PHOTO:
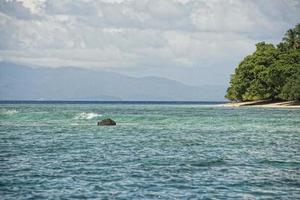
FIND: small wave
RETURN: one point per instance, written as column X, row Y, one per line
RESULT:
column 85, row 115
column 211, row 163
column 280, row 162
column 8, row 112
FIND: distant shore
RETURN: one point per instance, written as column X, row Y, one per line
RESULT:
column 264, row 104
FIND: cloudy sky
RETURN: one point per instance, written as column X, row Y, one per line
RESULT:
column 194, row 41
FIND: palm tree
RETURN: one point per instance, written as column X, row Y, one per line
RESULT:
column 290, row 37
column 297, row 38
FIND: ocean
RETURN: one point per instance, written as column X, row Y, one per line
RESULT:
column 158, row 150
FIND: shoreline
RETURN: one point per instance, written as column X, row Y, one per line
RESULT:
column 264, row 104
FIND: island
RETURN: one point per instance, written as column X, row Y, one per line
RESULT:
column 269, row 77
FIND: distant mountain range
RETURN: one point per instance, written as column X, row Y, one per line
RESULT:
column 19, row 82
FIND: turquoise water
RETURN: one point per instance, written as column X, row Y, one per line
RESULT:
column 156, row 151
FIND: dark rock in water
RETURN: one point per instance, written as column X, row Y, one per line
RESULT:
column 107, row 122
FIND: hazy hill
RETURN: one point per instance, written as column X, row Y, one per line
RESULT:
column 19, row 82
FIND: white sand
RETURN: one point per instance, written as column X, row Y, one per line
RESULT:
column 264, row 104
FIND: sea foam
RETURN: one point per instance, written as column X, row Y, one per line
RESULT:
column 87, row 115
column 8, row 112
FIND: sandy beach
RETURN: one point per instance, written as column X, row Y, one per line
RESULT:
column 264, row 104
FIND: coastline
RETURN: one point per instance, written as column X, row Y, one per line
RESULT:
column 264, row 104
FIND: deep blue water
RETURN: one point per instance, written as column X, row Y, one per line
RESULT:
column 157, row 151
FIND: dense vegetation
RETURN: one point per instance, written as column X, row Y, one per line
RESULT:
column 271, row 72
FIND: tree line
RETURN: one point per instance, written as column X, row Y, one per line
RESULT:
column 271, row 72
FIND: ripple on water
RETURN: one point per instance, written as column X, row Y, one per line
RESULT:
column 155, row 151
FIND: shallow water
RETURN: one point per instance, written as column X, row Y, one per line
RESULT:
column 156, row 151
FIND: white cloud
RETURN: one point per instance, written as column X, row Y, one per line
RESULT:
column 139, row 34
column 35, row 6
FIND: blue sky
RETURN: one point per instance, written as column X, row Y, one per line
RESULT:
column 194, row 41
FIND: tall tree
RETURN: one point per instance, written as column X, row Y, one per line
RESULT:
column 290, row 38
column 297, row 39
column 270, row 72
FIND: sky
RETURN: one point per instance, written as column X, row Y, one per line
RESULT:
column 197, row 42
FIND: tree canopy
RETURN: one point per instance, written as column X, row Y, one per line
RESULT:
column 271, row 72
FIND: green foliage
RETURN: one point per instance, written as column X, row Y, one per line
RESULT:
column 291, row 90
column 270, row 72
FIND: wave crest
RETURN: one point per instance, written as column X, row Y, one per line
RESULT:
column 87, row 115
column 8, row 112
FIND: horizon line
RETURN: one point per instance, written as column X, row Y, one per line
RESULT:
column 107, row 102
